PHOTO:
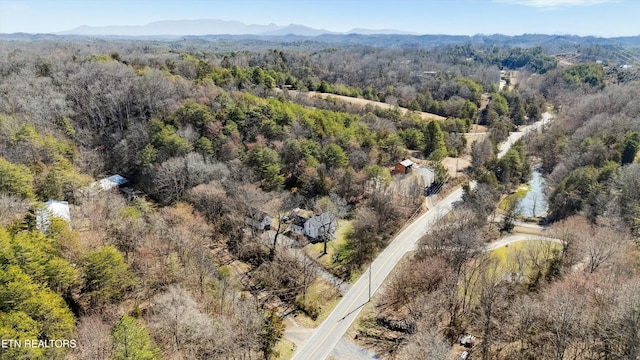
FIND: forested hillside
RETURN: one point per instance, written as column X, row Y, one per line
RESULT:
column 575, row 296
column 175, row 263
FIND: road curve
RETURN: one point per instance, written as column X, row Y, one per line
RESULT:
column 326, row 336
column 517, row 238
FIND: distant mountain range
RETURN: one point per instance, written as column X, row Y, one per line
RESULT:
column 221, row 35
column 211, row 27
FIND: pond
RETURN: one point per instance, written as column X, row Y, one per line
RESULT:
column 534, row 203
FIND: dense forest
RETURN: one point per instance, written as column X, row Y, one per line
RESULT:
column 173, row 266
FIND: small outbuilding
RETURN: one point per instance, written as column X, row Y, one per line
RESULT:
column 113, row 181
column 403, row 167
column 107, row 184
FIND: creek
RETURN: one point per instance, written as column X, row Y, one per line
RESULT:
column 534, row 203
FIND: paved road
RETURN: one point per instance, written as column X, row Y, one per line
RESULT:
column 515, row 136
column 327, row 335
column 498, row 218
column 346, row 350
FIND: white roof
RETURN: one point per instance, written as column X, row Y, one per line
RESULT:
column 110, row 182
column 321, row 220
column 58, row 209
column 406, row 162
column 52, row 208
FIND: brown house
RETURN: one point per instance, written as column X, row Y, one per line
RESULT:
column 403, row 167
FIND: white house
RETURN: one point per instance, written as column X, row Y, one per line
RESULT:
column 321, row 225
column 259, row 220
column 52, row 208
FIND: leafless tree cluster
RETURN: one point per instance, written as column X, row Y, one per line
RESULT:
column 569, row 303
column 174, row 177
column 184, row 330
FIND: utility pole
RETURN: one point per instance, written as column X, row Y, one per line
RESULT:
column 370, row 282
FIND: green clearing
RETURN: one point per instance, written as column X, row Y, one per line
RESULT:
column 525, row 256
column 316, row 250
column 321, row 297
column 524, row 261
column 285, row 349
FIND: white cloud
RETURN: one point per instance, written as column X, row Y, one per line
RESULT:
column 555, row 3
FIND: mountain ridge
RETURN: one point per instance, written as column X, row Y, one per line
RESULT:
column 200, row 27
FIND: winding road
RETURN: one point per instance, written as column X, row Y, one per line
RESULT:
column 517, row 238
column 517, row 135
column 328, row 334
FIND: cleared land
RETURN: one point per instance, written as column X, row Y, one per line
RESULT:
column 521, row 256
column 455, row 166
column 364, row 102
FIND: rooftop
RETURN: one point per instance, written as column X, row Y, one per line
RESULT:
column 406, row 162
column 110, row 182
column 321, row 220
column 58, row 209
column 52, row 208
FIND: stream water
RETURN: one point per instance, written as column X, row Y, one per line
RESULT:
column 534, row 203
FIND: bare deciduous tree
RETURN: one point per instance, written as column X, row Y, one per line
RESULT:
column 627, row 317
column 489, row 294
column 176, row 176
column 93, row 339
column 563, row 320
column 601, row 246
column 525, row 312
column 182, row 329
column 568, row 231
column 211, row 200
column 12, row 208
column 426, row 344
column 407, row 287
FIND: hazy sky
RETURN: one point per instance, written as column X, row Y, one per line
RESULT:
column 461, row 17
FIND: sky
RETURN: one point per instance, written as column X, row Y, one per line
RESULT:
column 605, row 18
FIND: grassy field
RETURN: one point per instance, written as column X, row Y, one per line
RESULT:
column 525, row 256
column 285, row 349
column 316, row 250
column 521, row 261
column 322, row 296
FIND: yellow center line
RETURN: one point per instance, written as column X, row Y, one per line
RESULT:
column 380, row 268
column 344, row 315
